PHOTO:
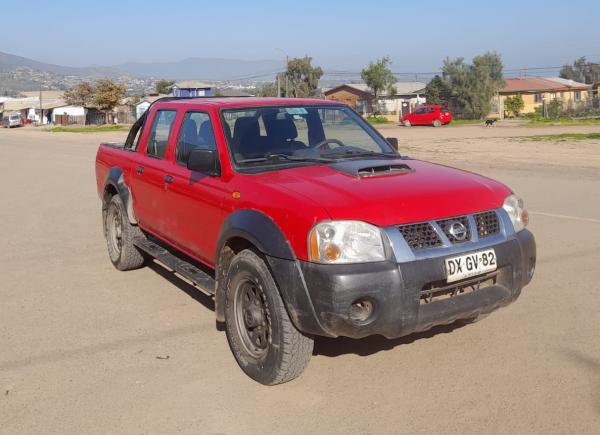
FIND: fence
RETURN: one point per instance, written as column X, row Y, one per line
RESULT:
column 69, row 120
column 126, row 117
column 588, row 108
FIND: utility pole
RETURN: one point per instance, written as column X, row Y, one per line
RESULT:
column 287, row 87
column 41, row 110
column 287, row 90
column 278, row 85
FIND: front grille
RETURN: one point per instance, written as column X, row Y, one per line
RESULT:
column 449, row 228
column 487, row 223
column 420, row 236
column 440, row 290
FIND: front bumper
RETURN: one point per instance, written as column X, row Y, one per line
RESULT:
column 319, row 297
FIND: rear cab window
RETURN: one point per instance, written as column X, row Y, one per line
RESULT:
column 158, row 139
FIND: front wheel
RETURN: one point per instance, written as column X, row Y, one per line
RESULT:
column 407, row 123
column 263, row 339
column 437, row 123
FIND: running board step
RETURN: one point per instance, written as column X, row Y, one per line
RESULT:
column 183, row 268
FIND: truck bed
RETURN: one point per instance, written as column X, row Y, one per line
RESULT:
column 111, row 155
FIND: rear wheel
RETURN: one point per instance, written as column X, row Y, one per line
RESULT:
column 263, row 339
column 407, row 123
column 437, row 123
column 119, row 235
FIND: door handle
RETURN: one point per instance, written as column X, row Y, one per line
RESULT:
column 168, row 179
column 139, row 169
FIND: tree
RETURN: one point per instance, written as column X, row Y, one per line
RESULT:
column 164, row 86
column 108, row 95
column 268, row 90
column 581, row 71
column 514, row 104
column 303, row 78
column 472, row 87
column 554, row 109
column 437, row 91
column 82, row 94
column 379, row 77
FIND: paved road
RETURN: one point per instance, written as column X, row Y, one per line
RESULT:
column 83, row 348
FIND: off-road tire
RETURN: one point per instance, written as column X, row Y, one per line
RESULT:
column 287, row 350
column 119, row 239
column 437, row 123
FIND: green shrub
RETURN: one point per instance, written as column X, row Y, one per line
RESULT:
column 377, row 120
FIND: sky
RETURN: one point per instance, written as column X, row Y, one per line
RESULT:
column 339, row 35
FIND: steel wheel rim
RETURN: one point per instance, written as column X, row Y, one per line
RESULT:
column 252, row 318
column 115, row 230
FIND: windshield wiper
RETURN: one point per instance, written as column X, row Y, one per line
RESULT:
column 352, row 153
column 276, row 156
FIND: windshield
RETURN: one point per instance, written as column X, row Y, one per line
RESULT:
column 285, row 134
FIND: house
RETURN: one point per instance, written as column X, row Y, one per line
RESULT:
column 595, row 95
column 191, row 88
column 19, row 106
column 145, row 102
column 356, row 95
column 537, row 91
column 62, row 113
column 359, row 96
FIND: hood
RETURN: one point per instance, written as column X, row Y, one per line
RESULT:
column 424, row 191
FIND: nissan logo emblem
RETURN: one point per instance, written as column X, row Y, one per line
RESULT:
column 457, row 230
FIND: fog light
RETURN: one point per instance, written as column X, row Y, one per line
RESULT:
column 361, row 311
column 525, row 217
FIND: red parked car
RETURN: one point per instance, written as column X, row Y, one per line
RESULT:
column 301, row 220
column 427, row 115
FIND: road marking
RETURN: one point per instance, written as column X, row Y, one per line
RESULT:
column 564, row 216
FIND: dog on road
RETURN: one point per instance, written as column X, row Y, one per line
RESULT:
column 490, row 122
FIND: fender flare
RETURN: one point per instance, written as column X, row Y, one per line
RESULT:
column 259, row 230
column 115, row 178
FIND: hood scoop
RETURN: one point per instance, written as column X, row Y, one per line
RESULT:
column 372, row 168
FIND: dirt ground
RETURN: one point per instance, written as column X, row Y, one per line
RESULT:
column 87, row 349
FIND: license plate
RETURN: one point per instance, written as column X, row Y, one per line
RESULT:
column 468, row 265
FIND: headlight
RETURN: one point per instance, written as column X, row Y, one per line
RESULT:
column 340, row 242
column 516, row 211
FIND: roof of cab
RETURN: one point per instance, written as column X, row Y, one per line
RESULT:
column 234, row 102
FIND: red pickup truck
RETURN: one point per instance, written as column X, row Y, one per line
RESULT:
column 301, row 220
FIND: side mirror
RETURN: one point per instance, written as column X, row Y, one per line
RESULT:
column 206, row 161
column 393, row 141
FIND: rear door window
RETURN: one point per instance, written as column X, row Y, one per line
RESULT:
column 159, row 133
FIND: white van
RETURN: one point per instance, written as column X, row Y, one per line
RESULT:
column 9, row 121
